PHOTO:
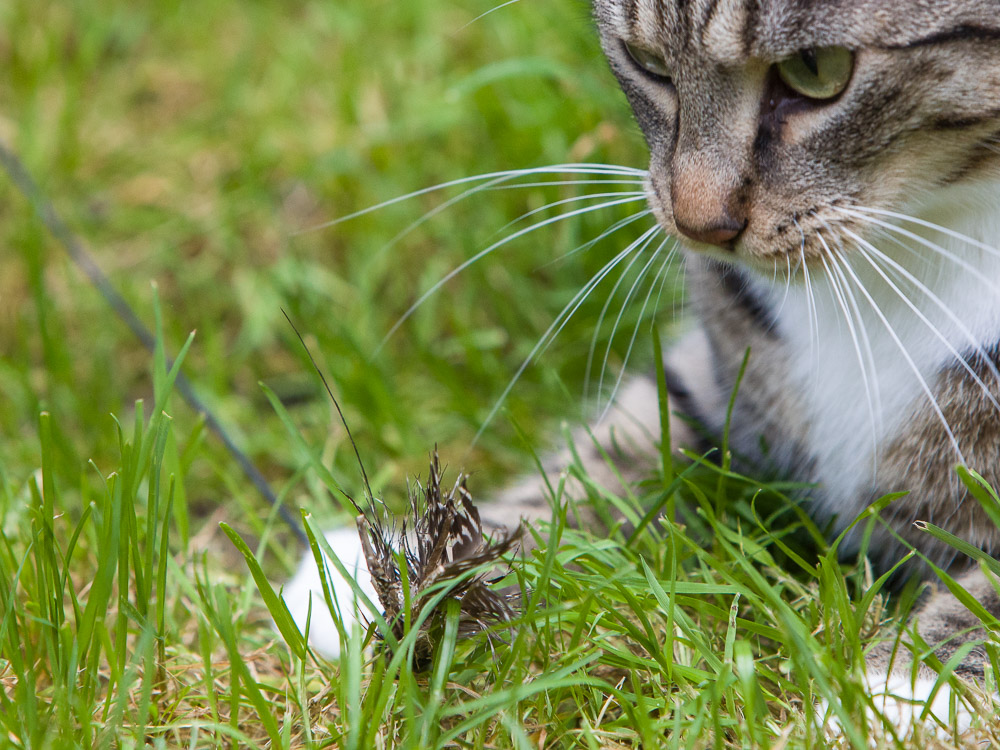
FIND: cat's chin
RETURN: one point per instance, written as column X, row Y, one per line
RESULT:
column 779, row 267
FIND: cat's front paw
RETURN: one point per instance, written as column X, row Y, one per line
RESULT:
column 906, row 703
column 306, row 586
column 905, row 700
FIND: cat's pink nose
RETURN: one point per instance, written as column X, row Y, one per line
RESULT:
column 706, row 201
column 722, row 231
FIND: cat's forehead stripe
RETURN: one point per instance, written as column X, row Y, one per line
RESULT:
column 730, row 32
column 724, row 29
column 727, row 30
column 649, row 15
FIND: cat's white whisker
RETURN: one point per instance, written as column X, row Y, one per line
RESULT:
column 621, row 312
column 493, row 184
column 836, row 257
column 486, row 251
column 863, row 333
column 941, row 251
column 566, row 183
column 560, row 322
column 810, row 300
column 671, row 255
column 924, row 223
column 922, row 382
column 679, row 290
column 574, row 199
column 491, row 179
column 961, row 359
column 788, row 284
column 497, row 183
column 870, row 388
column 604, row 310
column 642, row 311
column 621, row 223
column 810, row 306
column 481, row 16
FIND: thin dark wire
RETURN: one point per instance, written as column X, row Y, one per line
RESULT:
column 24, row 182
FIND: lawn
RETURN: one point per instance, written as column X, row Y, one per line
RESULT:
column 202, row 153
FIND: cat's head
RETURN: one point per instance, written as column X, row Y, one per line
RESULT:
column 766, row 119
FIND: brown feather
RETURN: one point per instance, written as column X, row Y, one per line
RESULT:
column 441, row 541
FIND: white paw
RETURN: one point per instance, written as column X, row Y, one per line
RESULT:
column 306, row 585
column 906, row 702
column 903, row 701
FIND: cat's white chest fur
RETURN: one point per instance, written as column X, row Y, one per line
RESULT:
column 869, row 339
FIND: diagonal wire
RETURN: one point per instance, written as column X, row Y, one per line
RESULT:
column 47, row 214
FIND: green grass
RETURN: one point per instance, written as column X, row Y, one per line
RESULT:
column 202, row 147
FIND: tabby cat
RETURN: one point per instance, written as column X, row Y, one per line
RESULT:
column 833, row 171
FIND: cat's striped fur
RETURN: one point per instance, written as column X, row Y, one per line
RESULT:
column 874, row 336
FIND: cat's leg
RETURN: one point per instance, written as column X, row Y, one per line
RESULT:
column 903, row 693
column 628, row 435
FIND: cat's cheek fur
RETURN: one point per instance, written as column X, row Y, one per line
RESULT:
column 305, row 589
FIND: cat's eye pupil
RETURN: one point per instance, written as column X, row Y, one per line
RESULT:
column 648, row 61
column 809, row 58
column 818, row 73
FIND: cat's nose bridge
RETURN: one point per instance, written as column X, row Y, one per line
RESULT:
column 711, row 167
column 705, row 194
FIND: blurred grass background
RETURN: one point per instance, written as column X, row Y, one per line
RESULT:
column 201, row 146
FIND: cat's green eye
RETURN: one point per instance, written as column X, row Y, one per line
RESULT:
column 648, row 61
column 819, row 72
